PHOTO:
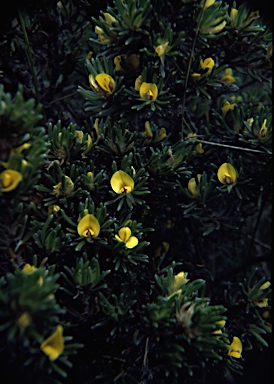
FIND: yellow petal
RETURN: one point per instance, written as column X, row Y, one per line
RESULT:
column 9, row 180
column 117, row 63
column 138, row 82
column 208, row 3
column 132, row 242
column 162, row 49
column 121, row 182
column 207, row 64
column 124, row 233
column 88, row 226
column 235, row 349
column 106, row 82
column 227, row 107
column 179, row 279
column 109, row 19
column 227, row 174
column 28, row 268
column 53, row 346
column 192, row 187
column 147, row 132
column 148, row 91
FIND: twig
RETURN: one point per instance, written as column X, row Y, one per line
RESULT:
column 29, row 55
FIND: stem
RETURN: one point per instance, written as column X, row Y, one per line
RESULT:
column 29, row 55
column 189, row 64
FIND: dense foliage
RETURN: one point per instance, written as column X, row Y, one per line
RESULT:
column 135, row 192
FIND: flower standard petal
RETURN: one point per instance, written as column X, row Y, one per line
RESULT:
column 53, row 346
column 227, row 174
column 124, row 234
column 105, row 82
column 88, row 226
column 9, row 180
column 121, row 182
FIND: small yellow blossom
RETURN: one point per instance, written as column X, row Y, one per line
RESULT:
column 17, row 150
column 227, row 107
column 217, row 29
column 53, row 346
column 53, row 209
column 148, row 91
column 162, row 49
column 69, row 186
column 196, row 75
column 109, row 19
column 117, row 63
column 192, row 186
column 147, row 133
column 124, row 235
column 227, row 174
column 106, row 82
column 88, row 226
column 235, row 348
column 96, row 127
column 9, row 180
column 250, row 121
column 228, row 76
column 93, row 84
column 207, row 64
column 102, row 35
column 160, row 135
column 121, row 182
column 88, row 147
column 264, row 301
column 178, row 280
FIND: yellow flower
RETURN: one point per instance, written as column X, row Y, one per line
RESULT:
column 227, row 107
column 178, row 280
column 121, row 182
column 147, row 133
column 162, row 49
column 31, row 268
column 160, row 135
column 227, row 174
column 262, row 302
column 117, row 63
column 88, row 147
column 79, row 136
column 196, row 75
column 53, row 346
column 216, row 29
column 16, row 151
column 109, row 19
column 93, row 83
column 228, row 76
column 138, row 82
column 9, row 180
column 148, row 91
column 88, row 226
column 102, row 36
column 207, row 64
column 219, row 331
column 106, row 82
column 53, row 209
column 192, row 186
column 235, row 348
column 69, row 186
column 124, row 235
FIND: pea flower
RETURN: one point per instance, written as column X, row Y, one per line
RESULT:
column 124, row 235
column 208, row 3
column 207, row 64
column 228, row 76
column 217, row 28
column 88, row 147
column 9, row 180
column 160, row 135
column 24, row 320
column 162, row 49
column 227, row 107
column 233, row 17
column 235, row 348
column 106, row 82
column 148, row 91
column 88, row 226
column 178, row 280
column 262, row 303
column 53, row 346
column 227, row 174
column 263, row 131
column 109, row 19
column 121, row 182
column 102, row 35
column 147, row 133
column 79, row 135
column 192, row 186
